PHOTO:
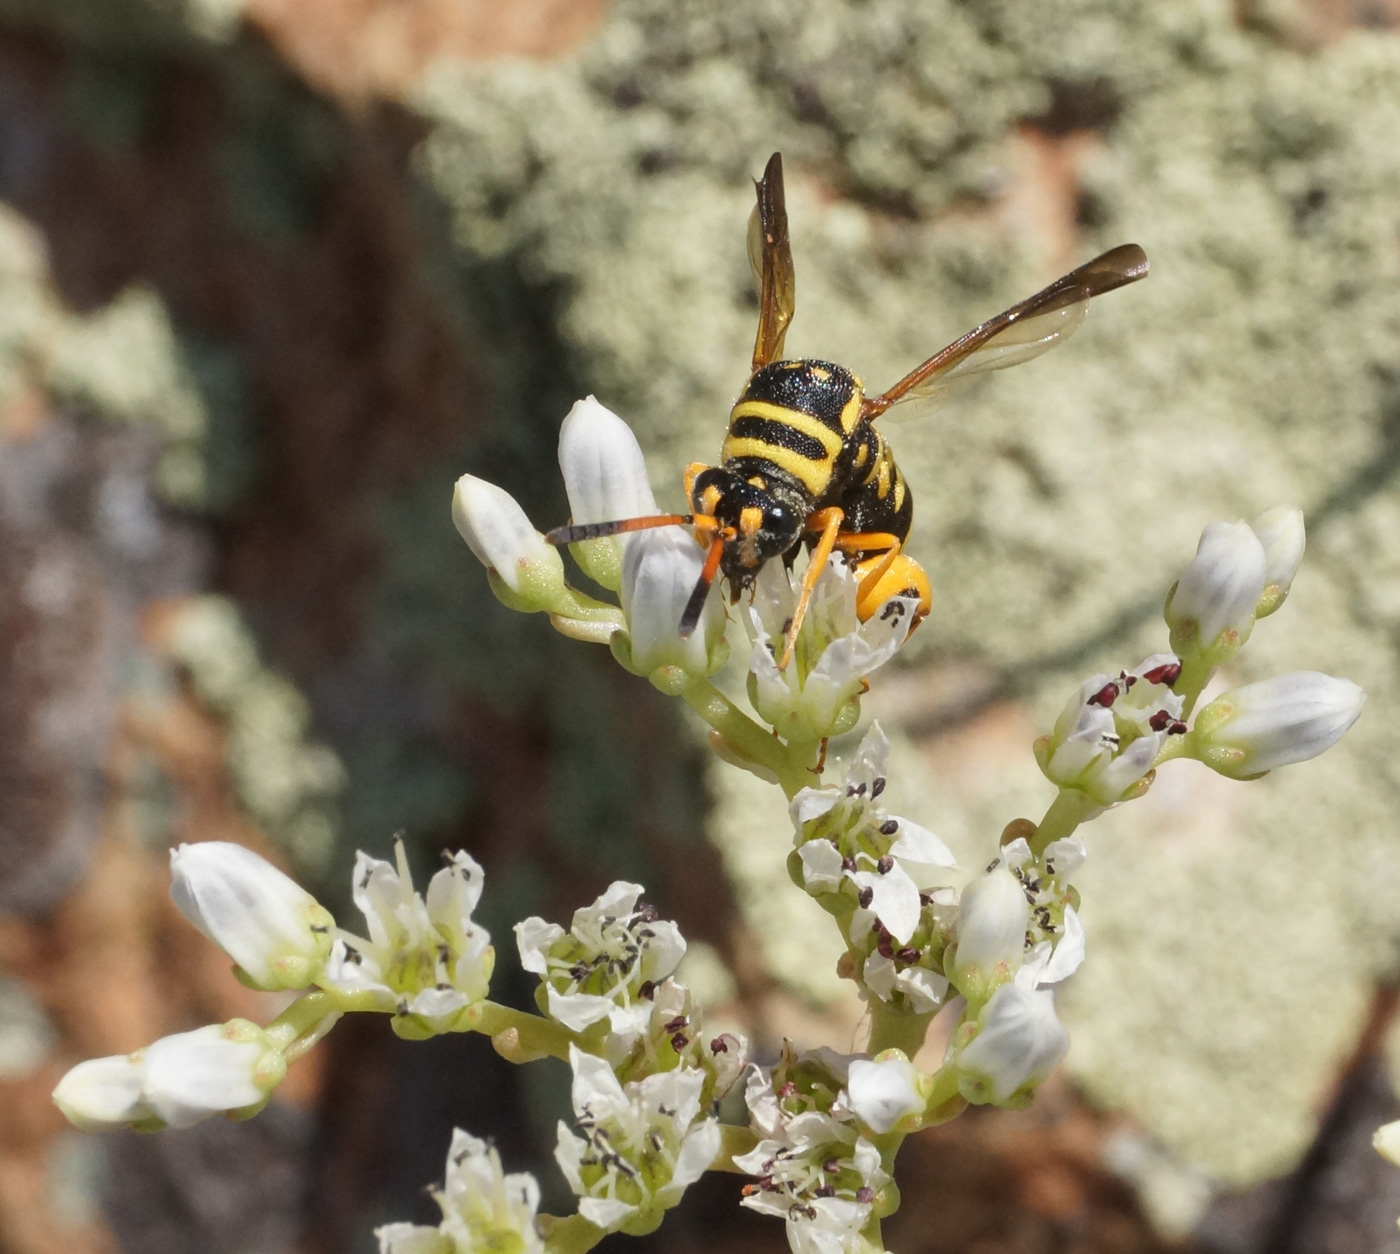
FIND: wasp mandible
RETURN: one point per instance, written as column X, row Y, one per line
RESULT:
column 803, row 460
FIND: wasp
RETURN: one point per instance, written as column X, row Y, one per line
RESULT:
column 804, row 462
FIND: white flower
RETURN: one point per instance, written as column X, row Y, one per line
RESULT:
column 484, row 1211
column 642, row 1144
column 497, row 530
column 275, row 930
column 1212, row 605
column 813, row 1169
column 993, row 915
column 1111, row 731
column 813, row 696
column 660, row 570
column 884, row 1092
column 668, row 1030
column 176, row 1081
column 1275, row 722
column 1018, row 1043
column 605, row 476
column 425, row 961
column 844, row 835
column 1281, row 532
column 606, row 966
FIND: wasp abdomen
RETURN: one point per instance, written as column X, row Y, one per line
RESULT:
column 794, row 417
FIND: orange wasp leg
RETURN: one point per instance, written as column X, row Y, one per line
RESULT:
column 828, row 522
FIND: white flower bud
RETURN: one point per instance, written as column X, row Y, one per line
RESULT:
column 1019, row 1043
column 1218, row 591
column 1387, row 1141
column 104, row 1093
column 659, row 573
column 1276, row 722
column 991, row 933
column 883, row 1092
column 277, row 932
column 1281, row 532
column 497, row 530
column 210, row 1071
column 605, row 476
column 177, row 1081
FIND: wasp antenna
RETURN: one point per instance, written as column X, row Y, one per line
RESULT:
column 596, row 531
column 693, row 608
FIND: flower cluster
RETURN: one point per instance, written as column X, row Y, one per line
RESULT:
column 639, row 1145
column 648, row 1080
column 814, row 1167
column 1114, row 732
column 872, row 871
column 482, row 1208
column 653, row 572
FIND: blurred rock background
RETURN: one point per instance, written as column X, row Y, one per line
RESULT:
column 274, row 272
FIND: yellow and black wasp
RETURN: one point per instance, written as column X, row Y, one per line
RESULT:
column 803, row 459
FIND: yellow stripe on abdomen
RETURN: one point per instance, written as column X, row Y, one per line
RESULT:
column 812, row 475
column 814, row 428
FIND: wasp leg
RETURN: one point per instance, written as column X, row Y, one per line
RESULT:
column 821, row 760
column 828, row 522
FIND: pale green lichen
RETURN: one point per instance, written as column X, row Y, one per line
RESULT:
column 287, row 780
column 126, row 363
column 1229, row 960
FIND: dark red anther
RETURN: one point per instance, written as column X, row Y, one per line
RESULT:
column 889, row 827
column 1159, row 721
column 647, row 991
column 909, row 954
column 719, row 1046
column 865, row 1194
column 832, row 1166
column 848, row 864
column 1105, row 696
column 885, row 865
column 789, row 1089
column 676, row 1024
column 1168, row 673
column 867, row 895
column 1178, row 728
column 885, row 948
column 679, row 1042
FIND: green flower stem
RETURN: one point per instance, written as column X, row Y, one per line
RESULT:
column 1195, row 675
column 1066, row 812
column 944, row 1099
column 535, row 1034
column 746, row 736
column 735, row 1140
column 302, row 1024
column 896, row 1029
column 572, row 1234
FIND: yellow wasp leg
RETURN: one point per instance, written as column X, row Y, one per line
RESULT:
column 828, row 522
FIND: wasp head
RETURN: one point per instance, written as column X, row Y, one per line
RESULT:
column 754, row 524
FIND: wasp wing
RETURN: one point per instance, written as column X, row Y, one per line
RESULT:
column 770, row 254
column 1017, row 334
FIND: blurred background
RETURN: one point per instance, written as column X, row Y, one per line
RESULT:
column 274, row 272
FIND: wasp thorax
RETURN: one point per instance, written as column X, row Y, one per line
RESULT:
column 755, row 523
